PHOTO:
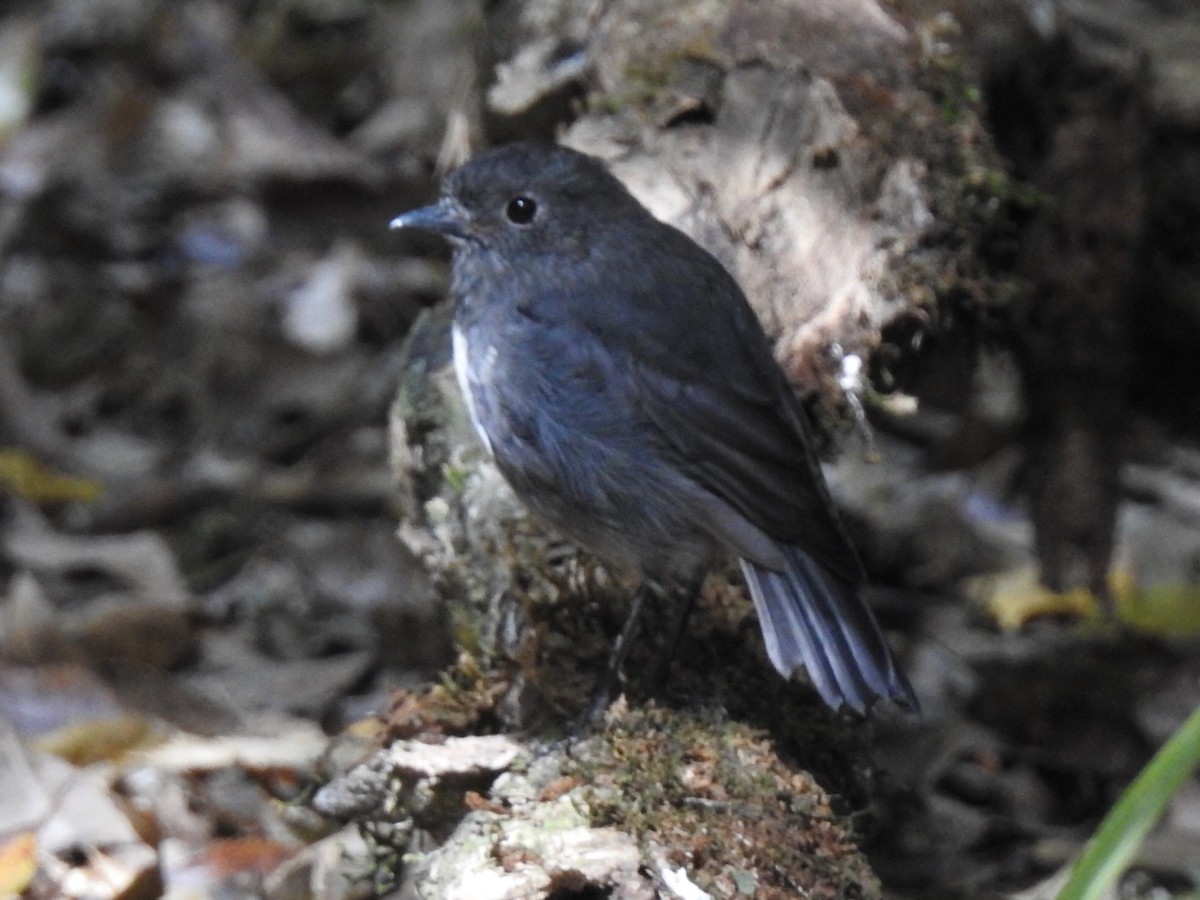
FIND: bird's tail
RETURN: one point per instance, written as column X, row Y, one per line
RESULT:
column 811, row 617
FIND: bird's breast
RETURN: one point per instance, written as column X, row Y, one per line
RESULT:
column 468, row 371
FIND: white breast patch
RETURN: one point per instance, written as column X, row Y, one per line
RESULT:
column 462, row 369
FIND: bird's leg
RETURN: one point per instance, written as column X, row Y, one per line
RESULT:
column 616, row 660
column 662, row 669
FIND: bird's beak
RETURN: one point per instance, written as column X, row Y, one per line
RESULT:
column 444, row 217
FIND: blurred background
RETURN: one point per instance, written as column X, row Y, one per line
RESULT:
column 994, row 312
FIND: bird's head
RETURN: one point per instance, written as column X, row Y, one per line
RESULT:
column 528, row 196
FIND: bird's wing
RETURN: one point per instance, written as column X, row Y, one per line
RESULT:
column 715, row 398
column 751, row 450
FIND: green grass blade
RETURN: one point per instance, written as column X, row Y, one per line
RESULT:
column 1113, row 846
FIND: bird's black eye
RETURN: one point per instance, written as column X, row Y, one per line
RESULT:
column 520, row 210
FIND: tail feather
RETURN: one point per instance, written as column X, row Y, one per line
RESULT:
column 811, row 617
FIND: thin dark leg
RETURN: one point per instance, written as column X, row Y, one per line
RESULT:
column 616, row 660
column 662, row 668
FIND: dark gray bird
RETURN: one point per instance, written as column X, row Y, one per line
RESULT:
column 629, row 395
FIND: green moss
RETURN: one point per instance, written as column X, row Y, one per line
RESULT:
column 717, row 797
column 455, row 477
column 1004, row 186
